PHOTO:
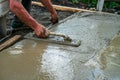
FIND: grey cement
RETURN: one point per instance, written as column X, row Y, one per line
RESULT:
column 35, row 60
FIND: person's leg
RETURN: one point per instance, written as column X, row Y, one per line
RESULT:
column 16, row 22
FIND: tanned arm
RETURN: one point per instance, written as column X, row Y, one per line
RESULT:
column 49, row 7
column 17, row 8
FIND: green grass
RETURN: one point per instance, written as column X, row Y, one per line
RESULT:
column 93, row 3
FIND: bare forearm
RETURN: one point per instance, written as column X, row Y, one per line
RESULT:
column 48, row 6
column 22, row 14
column 17, row 8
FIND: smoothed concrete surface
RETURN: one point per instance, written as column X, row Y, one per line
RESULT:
column 34, row 60
column 109, row 59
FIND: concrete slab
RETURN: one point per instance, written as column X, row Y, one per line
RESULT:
column 34, row 60
column 109, row 59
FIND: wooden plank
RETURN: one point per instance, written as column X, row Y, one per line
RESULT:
column 9, row 42
column 63, row 8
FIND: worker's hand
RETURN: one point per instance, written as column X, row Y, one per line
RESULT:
column 41, row 31
column 54, row 18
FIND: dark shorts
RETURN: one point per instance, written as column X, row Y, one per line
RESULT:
column 26, row 4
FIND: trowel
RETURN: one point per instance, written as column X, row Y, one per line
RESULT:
column 56, row 38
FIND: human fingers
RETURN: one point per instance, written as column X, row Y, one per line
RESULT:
column 45, row 33
column 54, row 18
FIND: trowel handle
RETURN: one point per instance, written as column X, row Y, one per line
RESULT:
column 66, row 37
column 57, row 34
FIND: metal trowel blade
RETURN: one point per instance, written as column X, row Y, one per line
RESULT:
column 53, row 39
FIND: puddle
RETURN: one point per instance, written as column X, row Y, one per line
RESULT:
column 22, row 61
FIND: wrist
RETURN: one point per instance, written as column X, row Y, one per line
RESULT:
column 53, row 12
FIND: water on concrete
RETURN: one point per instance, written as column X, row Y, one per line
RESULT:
column 109, row 59
column 34, row 60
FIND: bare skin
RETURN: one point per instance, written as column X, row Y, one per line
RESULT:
column 17, row 8
column 49, row 7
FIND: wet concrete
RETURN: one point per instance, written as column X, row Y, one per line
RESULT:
column 34, row 60
column 109, row 59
